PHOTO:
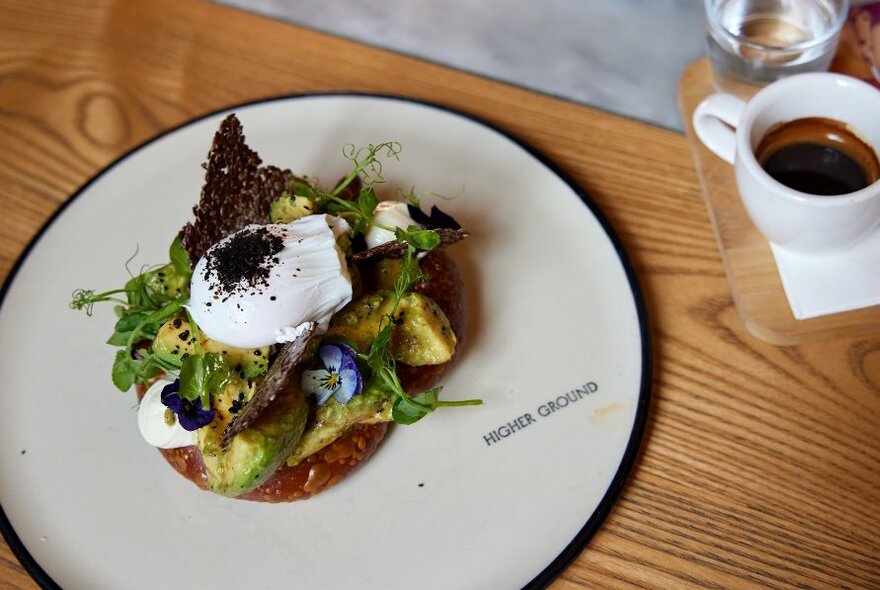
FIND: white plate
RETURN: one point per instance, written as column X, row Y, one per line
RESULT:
column 446, row 503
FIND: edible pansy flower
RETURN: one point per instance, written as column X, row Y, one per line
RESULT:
column 339, row 378
column 190, row 414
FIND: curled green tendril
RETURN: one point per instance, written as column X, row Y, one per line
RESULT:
column 83, row 299
column 366, row 162
column 86, row 299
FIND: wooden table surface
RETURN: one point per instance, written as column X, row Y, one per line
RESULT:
column 760, row 467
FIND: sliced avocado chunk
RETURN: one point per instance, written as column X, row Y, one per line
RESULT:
column 384, row 273
column 334, row 419
column 422, row 336
column 287, row 208
column 361, row 319
column 254, row 454
column 174, row 339
column 246, row 362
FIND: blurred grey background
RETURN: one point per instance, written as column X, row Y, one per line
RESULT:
column 623, row 56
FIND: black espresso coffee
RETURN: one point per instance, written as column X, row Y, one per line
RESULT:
column 818, row 156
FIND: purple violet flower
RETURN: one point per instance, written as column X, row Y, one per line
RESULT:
column 190, row 414
column 340, row 376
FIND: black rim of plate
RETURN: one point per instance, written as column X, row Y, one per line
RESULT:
column 582, row 538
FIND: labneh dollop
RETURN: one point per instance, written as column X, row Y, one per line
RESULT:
column 391, row 214
column 254, row 287
column 155, row 425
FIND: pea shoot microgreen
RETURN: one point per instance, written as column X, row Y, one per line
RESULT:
column 87, row 298
column 406, row 409
column 367, row 164
column 201, row 375
column 151, row 298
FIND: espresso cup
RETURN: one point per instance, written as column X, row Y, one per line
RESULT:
column 797, row 220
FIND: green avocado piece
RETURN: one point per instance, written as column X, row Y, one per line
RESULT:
column 384, row 273
column 288, row 208
column 254, row 454
column 361, row 320
column 174, row 339
column 333, row 419
column 422, row 336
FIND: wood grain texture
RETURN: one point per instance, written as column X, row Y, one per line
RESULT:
column 760, row 466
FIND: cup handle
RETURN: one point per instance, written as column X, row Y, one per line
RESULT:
column 715, row 121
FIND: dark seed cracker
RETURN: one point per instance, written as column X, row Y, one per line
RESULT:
column 275, row 381
column 237, row 190
column 395, row 249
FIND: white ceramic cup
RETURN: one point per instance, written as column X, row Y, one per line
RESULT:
column 733, row 128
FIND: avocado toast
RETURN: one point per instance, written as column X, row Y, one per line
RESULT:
column 291, row 325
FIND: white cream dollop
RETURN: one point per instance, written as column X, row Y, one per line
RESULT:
column 391, row 214
column 307, row 280
column 151, row 421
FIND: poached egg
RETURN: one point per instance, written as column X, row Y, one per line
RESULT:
column 253, row 288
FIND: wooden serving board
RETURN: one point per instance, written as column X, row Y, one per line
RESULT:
column 748, row 261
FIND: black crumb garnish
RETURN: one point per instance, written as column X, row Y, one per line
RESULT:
column 242, row 262
column 237, row 404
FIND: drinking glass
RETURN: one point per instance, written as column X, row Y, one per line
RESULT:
column 754, row 42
